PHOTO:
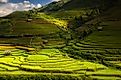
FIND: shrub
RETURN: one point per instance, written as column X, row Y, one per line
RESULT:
column 7, row 52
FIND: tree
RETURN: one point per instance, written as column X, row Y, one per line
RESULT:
column 32, row 13
column 62, row 1
column 75, row 23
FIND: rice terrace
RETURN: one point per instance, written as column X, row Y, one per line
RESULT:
column 60, row 40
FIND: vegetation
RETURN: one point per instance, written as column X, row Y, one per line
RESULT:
column 68, row 40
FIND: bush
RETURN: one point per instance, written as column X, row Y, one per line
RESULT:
column 7, row 52
column 75, row 23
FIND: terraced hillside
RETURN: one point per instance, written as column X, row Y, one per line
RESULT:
column 49, row 62
column 21, row 31
column 102, row 46
column 41, row 47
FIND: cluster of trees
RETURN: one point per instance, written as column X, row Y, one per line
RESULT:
column 80, row 20
column 32, row 13
column 76, row 24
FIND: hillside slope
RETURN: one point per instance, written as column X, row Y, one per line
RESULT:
column 77, row 4
column 57, row 54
